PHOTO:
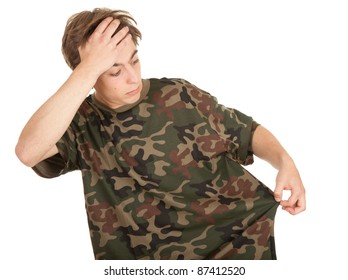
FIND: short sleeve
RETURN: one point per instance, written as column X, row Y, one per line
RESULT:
column 235, row 127
column 64, row 161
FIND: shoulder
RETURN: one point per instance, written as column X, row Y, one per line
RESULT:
column 179, row 82
column 89, row 111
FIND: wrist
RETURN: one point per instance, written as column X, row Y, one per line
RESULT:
column 285, row 161
column 88, row 74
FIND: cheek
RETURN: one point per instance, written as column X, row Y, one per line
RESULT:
column 100, row 81
column 104, row 84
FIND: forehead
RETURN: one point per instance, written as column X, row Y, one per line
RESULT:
column 126, row 54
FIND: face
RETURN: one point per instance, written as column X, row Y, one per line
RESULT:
column 121, row 84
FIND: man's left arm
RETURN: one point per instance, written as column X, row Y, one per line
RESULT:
column 267, row 147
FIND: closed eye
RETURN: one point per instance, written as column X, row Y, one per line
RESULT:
column 116, row 74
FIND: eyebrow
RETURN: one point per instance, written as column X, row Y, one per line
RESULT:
column 134, row 53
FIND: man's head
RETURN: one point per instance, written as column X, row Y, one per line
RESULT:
column 81, row 25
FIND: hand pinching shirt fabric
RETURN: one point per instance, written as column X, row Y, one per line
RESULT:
column 163, row 178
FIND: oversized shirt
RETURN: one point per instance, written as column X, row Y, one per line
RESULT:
column 163, row 177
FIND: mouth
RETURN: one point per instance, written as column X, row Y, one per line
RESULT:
column 133, row 92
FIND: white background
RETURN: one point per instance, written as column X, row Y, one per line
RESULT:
column 282, row 62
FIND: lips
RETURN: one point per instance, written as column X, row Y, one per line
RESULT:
column 133, row 92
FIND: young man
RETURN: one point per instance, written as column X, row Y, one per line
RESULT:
column 160, row 158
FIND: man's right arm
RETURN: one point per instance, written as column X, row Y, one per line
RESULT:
column 48, row 124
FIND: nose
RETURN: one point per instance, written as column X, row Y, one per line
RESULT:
column 132, row 75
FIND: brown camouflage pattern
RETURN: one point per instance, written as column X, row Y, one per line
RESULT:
column 163, row 177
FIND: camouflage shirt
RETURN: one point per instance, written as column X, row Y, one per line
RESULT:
column 163, row 178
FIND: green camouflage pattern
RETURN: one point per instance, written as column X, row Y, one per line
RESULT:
column 163, row 178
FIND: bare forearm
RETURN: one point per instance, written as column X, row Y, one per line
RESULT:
column 267, row 147
column 51, row 120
